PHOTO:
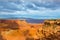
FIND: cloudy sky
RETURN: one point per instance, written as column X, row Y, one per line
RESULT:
column 37, row 9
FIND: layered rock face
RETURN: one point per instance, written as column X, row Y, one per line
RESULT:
column 21, row 30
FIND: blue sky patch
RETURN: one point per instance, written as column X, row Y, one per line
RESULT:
column 36, row 9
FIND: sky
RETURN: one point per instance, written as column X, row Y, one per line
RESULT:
column 36, row 9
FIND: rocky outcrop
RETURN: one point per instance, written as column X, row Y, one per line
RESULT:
column 21, row 30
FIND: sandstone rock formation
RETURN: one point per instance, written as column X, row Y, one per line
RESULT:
column 21, row 30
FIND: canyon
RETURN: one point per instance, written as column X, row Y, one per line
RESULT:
column 22, row 30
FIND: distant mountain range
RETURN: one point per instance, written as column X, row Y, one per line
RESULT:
column 29, row 20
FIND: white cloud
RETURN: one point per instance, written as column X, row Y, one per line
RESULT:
column 30, row 8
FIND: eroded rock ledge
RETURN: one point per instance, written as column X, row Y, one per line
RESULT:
column 21, row 30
